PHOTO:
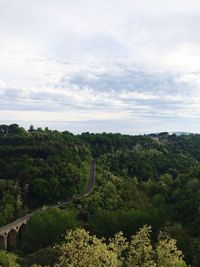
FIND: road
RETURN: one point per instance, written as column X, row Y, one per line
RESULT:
column 88, row 189
column 91, row 180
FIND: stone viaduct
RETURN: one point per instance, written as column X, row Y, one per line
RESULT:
column 11, row 233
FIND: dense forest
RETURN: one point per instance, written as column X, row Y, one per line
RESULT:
column 147, row 187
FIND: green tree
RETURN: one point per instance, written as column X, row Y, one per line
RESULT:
column 141, row 252
column 46, row 227
column 167, row 253
column 8, row 259
column 81, row 250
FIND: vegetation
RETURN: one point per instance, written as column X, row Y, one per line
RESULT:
column 140, row 180
column 37, row 168
column 81, row 249
column 152, row 180
column 8, row 259
column 49, row 226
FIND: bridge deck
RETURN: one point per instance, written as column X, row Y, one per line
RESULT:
column 6, row 228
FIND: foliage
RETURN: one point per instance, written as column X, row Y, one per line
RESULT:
column 167, row 253
column 43, row 257
column 46, row 227
column 39, row 167
column 81, row 249
column 150, row 179
column 8, row 259
column 140, row 251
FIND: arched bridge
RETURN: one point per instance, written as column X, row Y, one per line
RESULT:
column 11, row 233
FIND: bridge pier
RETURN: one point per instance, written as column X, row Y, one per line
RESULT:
column 4, row 242
column 11, row 234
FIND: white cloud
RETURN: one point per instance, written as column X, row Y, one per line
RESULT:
column 2, row 84
column 115, row 60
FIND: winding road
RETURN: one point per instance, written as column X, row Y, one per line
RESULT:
column 91, row 180
column 17, row 223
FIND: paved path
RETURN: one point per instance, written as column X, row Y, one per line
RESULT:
column 91, row 181
column 88, row 189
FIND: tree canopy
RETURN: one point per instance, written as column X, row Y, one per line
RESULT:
column 81, row 249
column 144, row 179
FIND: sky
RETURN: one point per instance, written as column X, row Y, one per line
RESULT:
column 129, row 66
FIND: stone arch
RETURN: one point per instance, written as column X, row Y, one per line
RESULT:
column 21, row 231
column 12, row 240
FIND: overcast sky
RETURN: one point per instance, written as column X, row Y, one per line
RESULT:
column 101, row 65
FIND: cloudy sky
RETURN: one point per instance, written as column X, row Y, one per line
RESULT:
column 101, row 65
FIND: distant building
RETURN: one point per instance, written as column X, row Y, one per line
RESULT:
column 155, row 138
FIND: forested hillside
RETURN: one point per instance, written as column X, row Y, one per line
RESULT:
column 147, row 179
column 37, row 168
column 140, row 180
